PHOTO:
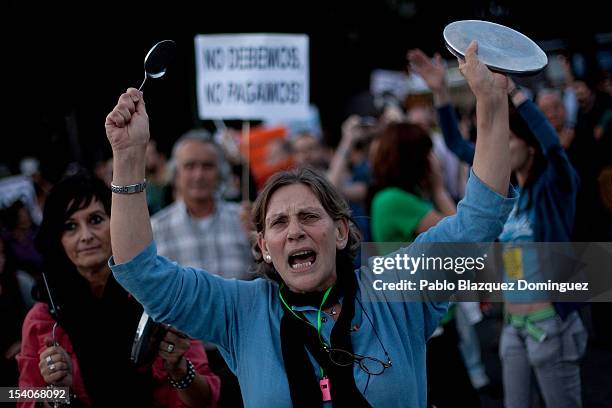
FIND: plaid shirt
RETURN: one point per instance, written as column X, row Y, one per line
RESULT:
column 222, row 248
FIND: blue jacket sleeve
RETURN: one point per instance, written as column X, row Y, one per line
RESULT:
column 194, row 301
column 559, row 169
column 447, row 120
column 480, row 216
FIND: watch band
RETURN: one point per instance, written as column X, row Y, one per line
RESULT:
column 514, row 91
column 129, row 189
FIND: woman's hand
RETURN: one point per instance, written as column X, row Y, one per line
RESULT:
column 433, row 73
column 171, row 350
column 485, row 84
column 55, row 365
column 431, row 70
column 128, row 124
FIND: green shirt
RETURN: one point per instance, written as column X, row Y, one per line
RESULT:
column 396, row 214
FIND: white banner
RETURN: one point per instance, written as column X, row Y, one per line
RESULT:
column 252, row 76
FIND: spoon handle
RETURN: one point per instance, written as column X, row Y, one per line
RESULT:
column 143, row 82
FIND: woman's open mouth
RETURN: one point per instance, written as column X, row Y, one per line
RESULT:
column 301, row 260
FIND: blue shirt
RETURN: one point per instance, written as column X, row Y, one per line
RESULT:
column 519, row 229
column 243, row 317
column 553, row 194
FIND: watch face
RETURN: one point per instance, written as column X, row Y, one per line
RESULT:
column 501, row 48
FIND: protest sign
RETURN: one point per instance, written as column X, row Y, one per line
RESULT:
column 251, row 76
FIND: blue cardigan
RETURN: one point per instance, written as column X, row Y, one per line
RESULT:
column 553, row 207
column 553, row 193
column 243, row 317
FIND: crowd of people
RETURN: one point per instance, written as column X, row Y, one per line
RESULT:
column 259, row 297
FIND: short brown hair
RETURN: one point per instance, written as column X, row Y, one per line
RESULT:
column 331, row 200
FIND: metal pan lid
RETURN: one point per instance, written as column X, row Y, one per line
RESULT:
column 146, row 340
column 500, row 48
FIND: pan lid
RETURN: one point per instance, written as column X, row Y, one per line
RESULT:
column 500, row 48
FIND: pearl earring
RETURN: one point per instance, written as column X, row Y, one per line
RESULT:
column 268, row 258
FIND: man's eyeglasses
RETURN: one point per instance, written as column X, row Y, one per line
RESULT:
column 370, row 365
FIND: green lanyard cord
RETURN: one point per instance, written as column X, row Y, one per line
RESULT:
column 280, row 295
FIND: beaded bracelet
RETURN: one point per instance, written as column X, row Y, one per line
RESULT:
column 71, row 399
column 187, row 379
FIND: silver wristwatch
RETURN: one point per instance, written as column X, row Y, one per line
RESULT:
column 129, row 189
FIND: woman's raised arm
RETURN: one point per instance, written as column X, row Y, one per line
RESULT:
column 127, row 130
column 492, row 156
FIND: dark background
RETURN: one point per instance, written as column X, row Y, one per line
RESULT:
column 68, row 63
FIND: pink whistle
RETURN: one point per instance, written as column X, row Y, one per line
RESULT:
column 325, row 390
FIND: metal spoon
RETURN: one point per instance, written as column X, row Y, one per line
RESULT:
column 157, row 59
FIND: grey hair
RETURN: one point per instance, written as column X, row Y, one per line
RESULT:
column 202, row 136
